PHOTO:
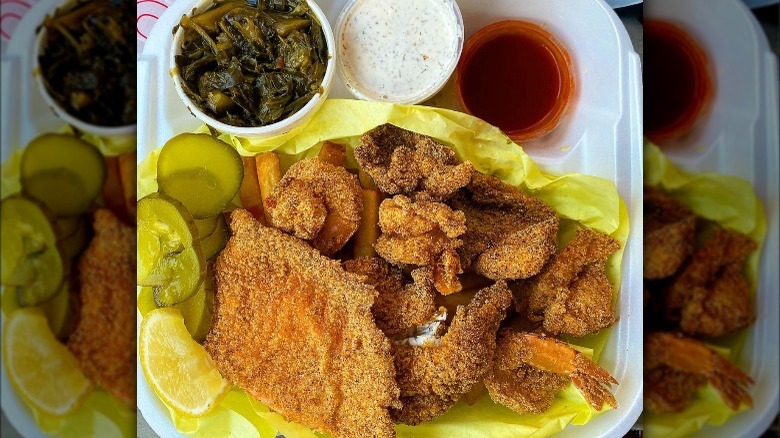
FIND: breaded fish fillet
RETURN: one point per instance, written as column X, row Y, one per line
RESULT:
column 432, row 377
column 668, row 235
column 295, row 331
column 103, row 341
column 509, row 235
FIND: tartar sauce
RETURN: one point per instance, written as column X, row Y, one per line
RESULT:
column 399, row 50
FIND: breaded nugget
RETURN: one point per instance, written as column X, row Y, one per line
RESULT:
column 319, row 202
column 668, row 234
column 432, row 377
column 295, row 331
column 103, row 341
column 405, row 162
column 510, row 235
column 572, row 295
column 422, row 233
column 710, row 295
column 398, row 308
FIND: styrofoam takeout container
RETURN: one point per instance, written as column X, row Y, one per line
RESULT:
column 296, row 119
column 739, row 137
column 24, row 115
column 602, row 135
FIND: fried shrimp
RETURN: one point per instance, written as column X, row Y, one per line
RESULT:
column 318, row 202
column 422, row 233
column 405, row 162
column 572, row 295
column 668, row 234
column 529, row 369
column 509, row 235
column 432, row 377
column 710, row 296
column 676, row 367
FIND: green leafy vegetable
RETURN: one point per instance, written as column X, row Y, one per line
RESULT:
column 252, row 64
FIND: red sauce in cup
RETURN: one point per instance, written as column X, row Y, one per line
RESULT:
column 517, row 76
column 678, row 86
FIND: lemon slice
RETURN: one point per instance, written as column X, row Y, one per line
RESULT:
column 178, row 369
column 41, row 369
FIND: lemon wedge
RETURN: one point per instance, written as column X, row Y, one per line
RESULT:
column 178, row 369
column 41, row 369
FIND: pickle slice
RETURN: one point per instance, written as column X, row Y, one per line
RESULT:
column 38, row 270
column 165, row 228
column 206, row 226
column 214, row 243
column 184, row 274
column 202, row 172
column 197, row 310
column 73, row 245
column 68, row 226
column 63, row 172
column 169, row 257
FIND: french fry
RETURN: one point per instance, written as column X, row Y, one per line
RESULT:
column 127, row 173
column 368, row 231
column 269, row 173
column 335, row 233
column 113, row 196
column 366, row 181
column 333, row 153
column 249, row 193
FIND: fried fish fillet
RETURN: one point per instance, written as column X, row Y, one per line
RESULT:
column 398, row 308
column 432, row 377
column 295, row 331
column 710, row 295
column 572, row 295
column 509, row 235
column 103, row 341
column 422, row 233
column 319, row 202
column 405, row 162
column 668, row 234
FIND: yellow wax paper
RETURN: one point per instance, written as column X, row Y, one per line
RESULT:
column 579, row 200
column 101, row 414
column 731, row 203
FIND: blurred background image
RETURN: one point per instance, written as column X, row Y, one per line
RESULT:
column 68, row 218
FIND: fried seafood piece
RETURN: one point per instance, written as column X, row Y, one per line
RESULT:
column 422, row 233
column 398, row 308
column 668, row 234
column 318, row 202
column 433, row 376
column 676, row 366
column 510, row 235
column 572, row 295
column 529, row 369
column 710, row 296
column 405, row 162
column 295, row 331
column 103, row 341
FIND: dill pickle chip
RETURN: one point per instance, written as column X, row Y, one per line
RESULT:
column 185, row 273
column 31, row 259
column 202, row 172
column 206, row 226
column 68, row 226
column 214, row 243
column 63, row 172
column 73, row 245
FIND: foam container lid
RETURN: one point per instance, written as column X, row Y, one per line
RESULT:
column 740, row 138
column 601, row 135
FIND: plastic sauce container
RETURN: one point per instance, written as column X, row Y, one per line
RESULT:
column 678, row 82
column 400, row 51
column 517, row 76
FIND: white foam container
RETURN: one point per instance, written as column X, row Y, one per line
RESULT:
column 601, row 135
column 24, row 115
column 740, row 138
